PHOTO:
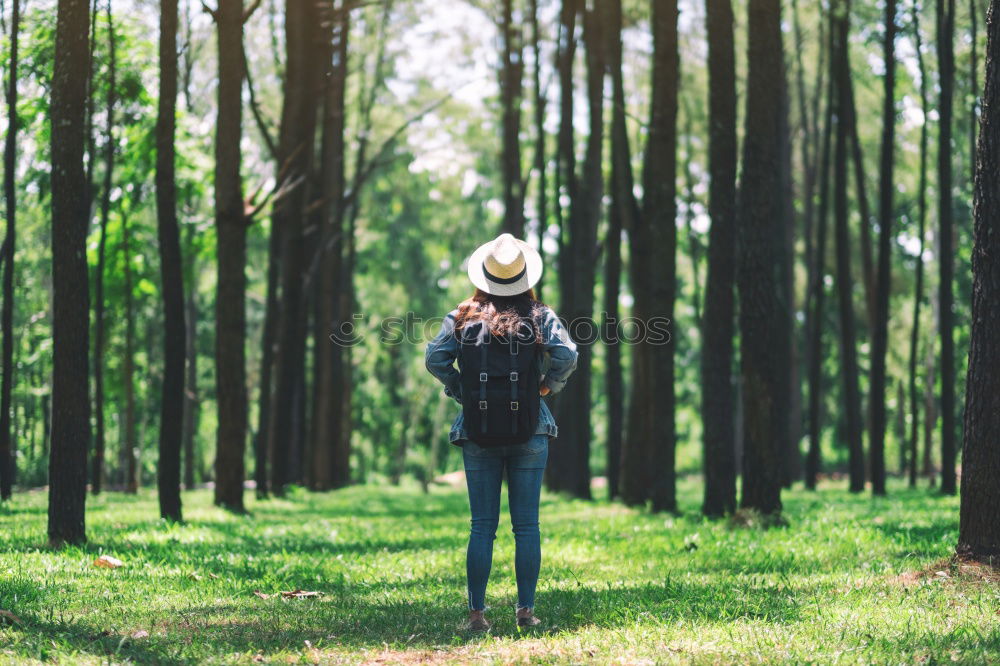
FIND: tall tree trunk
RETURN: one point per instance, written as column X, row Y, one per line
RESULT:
column 347, row 303
column 190, row 415
column 647, row 468
column 979, row 523
column 946, row 318
column 690, row 197
column 97, row 473
column 817, row 287
column 168, row 479
column 973, row 82
column 540, row 134
column 231, row 223
column 930, row 405
column 880, row 338
column 765, row 335
column 659, row 212
column 901, row 427
column 559, row 468
column 570, row 464
column 91, row 149
column 7, row 461
column 845, row 285
column 131, row 442
column 918, row 290
column 791, row 468
column 295, row 154
column 622, row 215
column 566, row 179
column 329, row 356
column 807, row 146
column 511, row 75
column 266, row 404
column 717, row 390
column 861, row 191
column 70, row 300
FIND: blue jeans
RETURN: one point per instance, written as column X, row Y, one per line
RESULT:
column 484, row 468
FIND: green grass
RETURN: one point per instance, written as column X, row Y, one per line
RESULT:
column 617, row 585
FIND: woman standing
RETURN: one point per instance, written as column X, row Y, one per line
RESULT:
column 511, row 349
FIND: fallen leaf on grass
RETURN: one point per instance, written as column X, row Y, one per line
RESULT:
column 194, row 576
column 942, row 574
column 262, row 595
column 11, row 617
column 300, row 594
column 108, row 562
column 142, row 633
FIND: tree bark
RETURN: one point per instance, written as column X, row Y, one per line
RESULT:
column 131, row 442
column 565, row 175
column 168, row 480
column 901, row 427
column 295, row 155
column 930, row 406
column 658, row 214
column 946, row 318
column 570, row 468
column 7, row 460
column 329, row 356
column 97, row 472
column 566, row 180
column 511, row 76
column 845, row 285
column 973, row 82
column 190, row 415
column 880, row 337
column 636, row 472
column 621, row 215
column 264, row 437
column 979, row 523
column 70, row 300
column 231, row 223
column 918, row 290
column 764, row 317
column 690, row 197
column 540, row 135
column 817, row 283
column 718, row 325
column 560, row 466
column 648, row 451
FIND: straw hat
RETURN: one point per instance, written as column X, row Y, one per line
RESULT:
column 505, row 266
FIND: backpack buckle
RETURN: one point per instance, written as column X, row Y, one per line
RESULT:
column 513, row 375
column 482, row 405
column 482, row 377
column 513, row 405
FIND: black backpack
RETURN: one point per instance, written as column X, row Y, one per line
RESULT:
column 500, row 379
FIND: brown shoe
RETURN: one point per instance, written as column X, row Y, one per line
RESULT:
column 526, row 618
column 477, row 622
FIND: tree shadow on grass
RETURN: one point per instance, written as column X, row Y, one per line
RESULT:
column 389, row 505
column 920, row 540
column 359, row 618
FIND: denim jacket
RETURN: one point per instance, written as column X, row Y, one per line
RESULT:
column 558, row 361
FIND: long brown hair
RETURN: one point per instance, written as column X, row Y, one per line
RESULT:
column 503, row 315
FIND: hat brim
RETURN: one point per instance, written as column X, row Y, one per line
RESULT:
column 532, row 273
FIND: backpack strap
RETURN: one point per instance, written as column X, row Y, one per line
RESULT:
column 514, row 377
column 483, row 376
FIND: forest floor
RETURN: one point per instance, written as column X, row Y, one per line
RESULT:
column 849, row 580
